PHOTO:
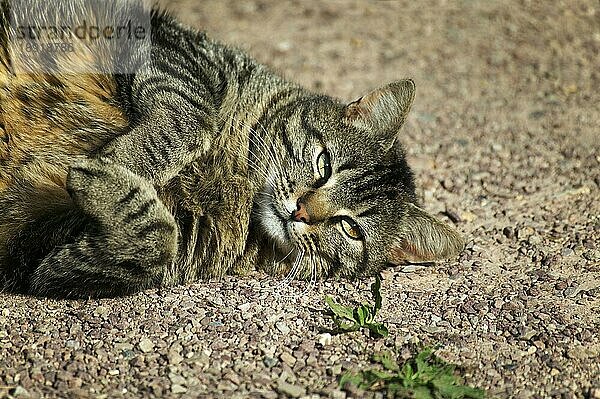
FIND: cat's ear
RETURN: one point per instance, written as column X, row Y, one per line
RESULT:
column 423, row 238
column 383, row 111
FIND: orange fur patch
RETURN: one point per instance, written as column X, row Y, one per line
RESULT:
column 54, row 117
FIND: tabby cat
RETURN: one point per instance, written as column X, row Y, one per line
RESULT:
column 201, row 162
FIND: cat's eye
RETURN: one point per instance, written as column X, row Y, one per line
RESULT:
column 350, row 228
column 324, row 165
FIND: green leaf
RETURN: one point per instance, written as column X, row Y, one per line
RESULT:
column 422, row 360
column 345, row 326
column 361, row 314
column 426, row 377
column 447, row 386
column 385, row 358
column 350, row 378
column 422, row 392
column 425, row 372
column 375, row 375
column 349, row 319
column 345, row 312
column 378, row 330
column 375, row 290
column 407, row 373
column 393, row 389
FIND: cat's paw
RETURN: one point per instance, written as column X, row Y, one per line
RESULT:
column 129, row 240
column 126, row 205
column 92, row 182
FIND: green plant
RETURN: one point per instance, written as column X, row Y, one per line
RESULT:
column 349, row 319
column 424, row 377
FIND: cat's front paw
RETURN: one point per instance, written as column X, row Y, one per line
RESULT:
column 83, row 173
column 96, row 180
column 99, row 188
column 124, row 203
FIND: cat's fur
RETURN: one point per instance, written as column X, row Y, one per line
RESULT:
column 202, row 163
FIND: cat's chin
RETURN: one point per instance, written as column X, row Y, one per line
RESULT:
column 276, row 227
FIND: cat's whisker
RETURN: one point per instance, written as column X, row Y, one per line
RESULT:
column 267, row 175
column 270, row 176
column 277, row 155
column 321, row 272
column 255, row 164
column 269, row 180
column 266, row 151
column 285, row 257
column 313, row 275
column 312, row 280
column 259, row 139
column 258, row 168
column 317, row 266
column 277, row 288
column 296, row 294
column 293, row 272
column 256, row 161
column 266, row 194
column 262, row 202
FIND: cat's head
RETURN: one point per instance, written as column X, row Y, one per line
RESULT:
column 340, row 196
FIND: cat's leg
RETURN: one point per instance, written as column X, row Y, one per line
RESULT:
column 35, row 218
column 128, row 243
column 175, row 122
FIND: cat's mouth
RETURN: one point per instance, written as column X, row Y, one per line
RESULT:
column 284, row 220
column 275, row 223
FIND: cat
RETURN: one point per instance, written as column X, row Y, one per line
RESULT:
column 201, row 162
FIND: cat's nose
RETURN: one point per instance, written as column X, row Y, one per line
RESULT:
column 301, row 214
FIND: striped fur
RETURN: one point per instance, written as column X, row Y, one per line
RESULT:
column 197, row 165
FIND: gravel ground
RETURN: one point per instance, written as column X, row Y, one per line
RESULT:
column 504, row 140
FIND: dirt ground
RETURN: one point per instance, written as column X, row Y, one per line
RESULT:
column 504, row 139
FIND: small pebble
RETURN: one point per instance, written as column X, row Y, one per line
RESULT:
column 177, row 379
column 283, row 327
column 508, row 232
column 293, row 391
column 176, row 388
column 412, row 268
column 174, row 357
column 496, row 147
column 325, row 339
column 288, row 359
column 336, row 369
column 269, row 361
column 525, row 232
column 101, row 310
column 245, row 307
column 453, row 216
column 337, row 394
column 594, row 393
column 566, row 251
column 20, row 392
column 146, row 345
